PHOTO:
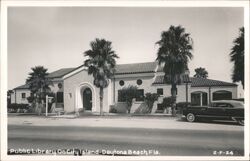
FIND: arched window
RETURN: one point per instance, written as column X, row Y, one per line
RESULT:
column 222, row 95
column 199, row 98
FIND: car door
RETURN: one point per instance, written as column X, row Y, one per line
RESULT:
column 228, row 110
column 216, row 110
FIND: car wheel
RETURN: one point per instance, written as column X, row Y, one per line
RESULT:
column 241, row 122
column 190, row 117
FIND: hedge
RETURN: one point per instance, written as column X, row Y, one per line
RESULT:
column 183, row 104
column 16, row 106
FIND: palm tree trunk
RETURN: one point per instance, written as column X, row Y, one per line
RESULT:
column 101, row 101
column 37, row 104
column 174, row 93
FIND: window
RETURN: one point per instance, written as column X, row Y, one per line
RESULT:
column 195, row 99
column 59, row 85
column 140, row 95
column 160, row 91
column 121, row 97
column 199, row 99
column 59, row 97
column 221, row 105
column 222, row 95
column 23, row 95
column 121, row 82
column 139, row 81
column 204, row 99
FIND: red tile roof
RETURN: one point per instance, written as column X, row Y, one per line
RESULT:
column 166, row 80
column 60, row 73
column 134, row 68
column 202, row 82
column 25, row 86
column 56, row 74
column 195, row 82
column 148, row 67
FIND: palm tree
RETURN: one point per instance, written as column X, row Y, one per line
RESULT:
column 237, row 57
column 174, row 54
column 201, row 73
column 101, row 64
column 38, row 84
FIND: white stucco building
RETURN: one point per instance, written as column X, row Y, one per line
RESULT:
column 75, row 90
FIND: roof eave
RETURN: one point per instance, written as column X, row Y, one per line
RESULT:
column 214, row 85
column 124, row 73
column 19, row 88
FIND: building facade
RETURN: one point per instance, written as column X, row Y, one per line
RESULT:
column 75, row 91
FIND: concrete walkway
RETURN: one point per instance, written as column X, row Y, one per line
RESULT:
column 121, row 122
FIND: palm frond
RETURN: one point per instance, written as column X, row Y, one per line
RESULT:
column 174, row 51
column 237, row 57
column 101, row 61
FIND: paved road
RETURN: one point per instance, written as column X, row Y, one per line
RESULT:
column 168, row 141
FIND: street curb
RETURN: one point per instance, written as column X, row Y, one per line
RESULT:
column 93, row 115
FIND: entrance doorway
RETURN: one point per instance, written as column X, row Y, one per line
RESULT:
column 87, row 99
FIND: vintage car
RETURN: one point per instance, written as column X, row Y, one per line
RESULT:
column 218, row 110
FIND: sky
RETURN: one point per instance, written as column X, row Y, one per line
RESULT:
column 56, row 37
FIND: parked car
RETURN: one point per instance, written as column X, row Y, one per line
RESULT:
column 218, row 110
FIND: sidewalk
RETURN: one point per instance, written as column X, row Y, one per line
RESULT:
column 119, row 122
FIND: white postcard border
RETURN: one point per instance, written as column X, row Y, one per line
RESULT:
column 6, row 4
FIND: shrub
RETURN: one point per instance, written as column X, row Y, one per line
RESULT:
column 181, row 105
column 129, row 93
column 14, row 107
column 150, row 98
column 120, row 107
column 159, row 111
column 169, row 102
column 31, row 98
column 112, row 109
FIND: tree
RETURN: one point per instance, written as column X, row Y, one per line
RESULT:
column 128, row 94
column 9, row 92
column 168, row 102
column 101, row 62
column 150, row 98
column 201, row 73
column 174, row 54
column 237, row 57
column 39, row 86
